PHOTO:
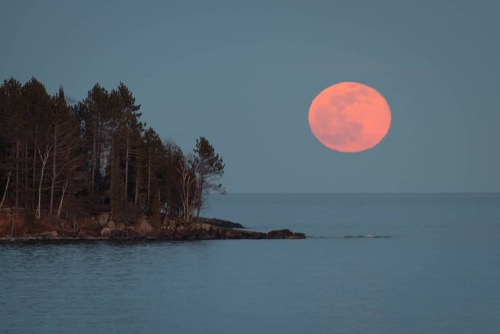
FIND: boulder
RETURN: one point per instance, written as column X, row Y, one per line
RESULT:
column 279, row 234
column 234, row 234
column 48, row 235
column 220, row 223
column 103, row 218
column 285, row 234
column 143, row 227
column 106, row 232
column 119, row 233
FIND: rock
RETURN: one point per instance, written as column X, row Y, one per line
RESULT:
column 205, row 226
column 143, row 227
column 119, row 233
column 48, row 235
column 220, row 223
column 279, row 234
column 235, row 234
column 285, row 234
column 103, row 218
column 106, row 232
column 205, row 229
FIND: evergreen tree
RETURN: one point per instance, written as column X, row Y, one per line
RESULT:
column 93, row 113
column 13, row 129
column 58, row 159
column 125, row 129
column 209, row 168
column 67, row 156
column 37, row 104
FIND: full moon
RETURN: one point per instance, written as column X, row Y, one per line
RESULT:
column 349, row 117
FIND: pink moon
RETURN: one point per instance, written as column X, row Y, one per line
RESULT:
column 349, row 117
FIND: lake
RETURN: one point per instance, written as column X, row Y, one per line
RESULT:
column 438, row 273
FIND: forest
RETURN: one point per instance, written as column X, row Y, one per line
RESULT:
column 62, row 160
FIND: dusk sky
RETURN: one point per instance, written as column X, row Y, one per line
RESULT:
column 244, row 73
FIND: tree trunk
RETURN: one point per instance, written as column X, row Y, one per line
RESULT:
column 126, row 170
column 44, row 159
column 184, row 186
column 12, row 224
column 62, row 198
column 26, row 198
column 111, row 182
column 34, row 157
column 137, row 174
column 149, row 179
column 188, row 201
column 17, row 174
column 5, row 191
column 34, row 165
column 94, row 154
column 53, row 183
column 199, row 192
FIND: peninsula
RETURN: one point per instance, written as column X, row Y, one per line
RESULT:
column 102, row 227
column 91, row 169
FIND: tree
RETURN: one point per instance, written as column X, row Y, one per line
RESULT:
column 44, row 157
column 171, row 178
column 130, row 127
column 13, row 128
column 37, row 104
column 152, row 160
column 93, row 113
column 68, row 158
column 125, row 130
column 209, row 167
column 95, row 155
column 189, row 194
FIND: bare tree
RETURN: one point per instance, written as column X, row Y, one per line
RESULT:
column 189, row 188
column 44, row 159
column 5, row 191
column 62, row 197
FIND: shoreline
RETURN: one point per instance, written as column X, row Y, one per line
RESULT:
column 143, row 231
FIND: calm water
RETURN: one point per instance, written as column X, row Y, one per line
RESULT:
column 439, row 273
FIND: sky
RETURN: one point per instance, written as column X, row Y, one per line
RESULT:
column 244, row 73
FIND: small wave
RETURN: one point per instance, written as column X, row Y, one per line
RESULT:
column 367, row 236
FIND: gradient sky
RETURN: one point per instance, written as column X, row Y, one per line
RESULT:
column 243, row 74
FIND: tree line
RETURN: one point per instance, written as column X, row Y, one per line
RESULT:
column 64, row 160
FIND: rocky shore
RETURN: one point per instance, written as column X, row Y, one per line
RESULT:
column 142, row 230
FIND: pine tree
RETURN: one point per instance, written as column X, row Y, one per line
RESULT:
column 209, row 168
column 93, row 114
column 37, row 104
column 13, row 129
